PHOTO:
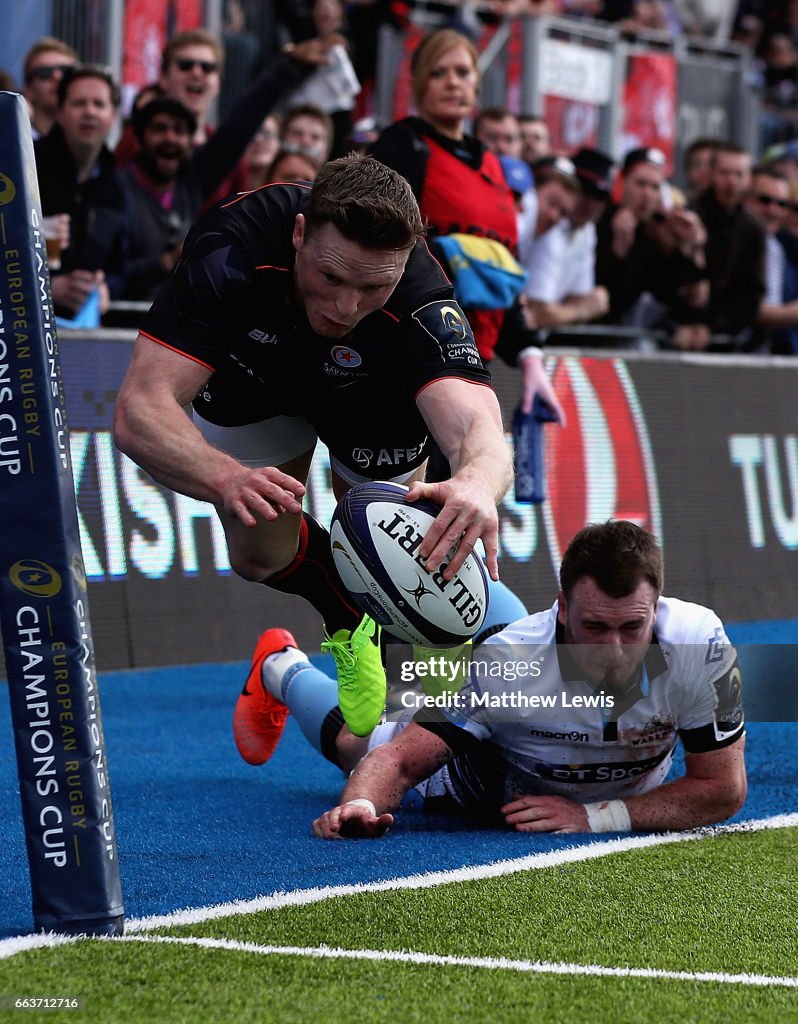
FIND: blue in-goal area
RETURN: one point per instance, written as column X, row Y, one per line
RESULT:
column 197, row 826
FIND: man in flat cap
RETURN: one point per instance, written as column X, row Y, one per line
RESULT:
column 561, row 287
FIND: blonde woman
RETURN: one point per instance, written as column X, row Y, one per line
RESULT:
column 460, row 185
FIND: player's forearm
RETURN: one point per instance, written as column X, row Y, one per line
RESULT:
column 483, row 453
column 381, row 778
column 686, row 803
column 491, row 463
column 465, row 420
column 163, row 440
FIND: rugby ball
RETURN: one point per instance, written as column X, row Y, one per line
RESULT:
column 376, row 536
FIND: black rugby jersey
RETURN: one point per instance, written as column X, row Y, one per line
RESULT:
column 230, row 305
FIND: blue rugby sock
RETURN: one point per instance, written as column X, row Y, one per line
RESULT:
column 309, row 693
column 312, row 696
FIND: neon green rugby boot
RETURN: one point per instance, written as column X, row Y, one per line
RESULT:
column 361, row 677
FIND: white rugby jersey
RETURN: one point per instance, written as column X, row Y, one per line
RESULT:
column 546, row 730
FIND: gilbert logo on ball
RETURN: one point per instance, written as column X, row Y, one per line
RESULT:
column 376, row 537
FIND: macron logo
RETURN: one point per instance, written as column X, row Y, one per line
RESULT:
column 263, row 337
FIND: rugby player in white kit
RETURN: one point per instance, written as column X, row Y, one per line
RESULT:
column 583, row 738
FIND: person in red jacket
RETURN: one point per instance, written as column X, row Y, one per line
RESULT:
column 459, row 184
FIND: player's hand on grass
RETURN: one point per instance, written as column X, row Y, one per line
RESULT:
column 545, row 814
column 263, row 493
column 468, row 513
column 353, row 820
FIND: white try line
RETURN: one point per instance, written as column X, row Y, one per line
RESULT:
column 427, row 880
column 471, row 873
column 485, row 962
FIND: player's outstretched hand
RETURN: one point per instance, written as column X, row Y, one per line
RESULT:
column 263, row 493
column 468, row 512
column 352, row 821
column 545, row 814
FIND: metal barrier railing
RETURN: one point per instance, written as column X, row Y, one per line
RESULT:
column 583, row 65
column 713, row 97
column 622, row 336
column 94, row 28
column 128, row 315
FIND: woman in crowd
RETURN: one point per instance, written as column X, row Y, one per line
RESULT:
column 290, row 165
column 460, row 186
column 260, row 153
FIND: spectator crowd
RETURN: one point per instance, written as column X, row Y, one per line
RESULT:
column 608, row 251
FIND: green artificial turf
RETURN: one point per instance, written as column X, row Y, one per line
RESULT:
column 725, row 904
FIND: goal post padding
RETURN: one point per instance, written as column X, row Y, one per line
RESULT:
column 44, row 615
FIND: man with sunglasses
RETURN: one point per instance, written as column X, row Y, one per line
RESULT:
column 191, row 69
column 191, row 72
column 45, row 64
column 192, row 63
column 770, row 201
column 169, row 180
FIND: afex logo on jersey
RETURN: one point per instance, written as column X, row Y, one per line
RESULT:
column 600, row 466
column 366, row 457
